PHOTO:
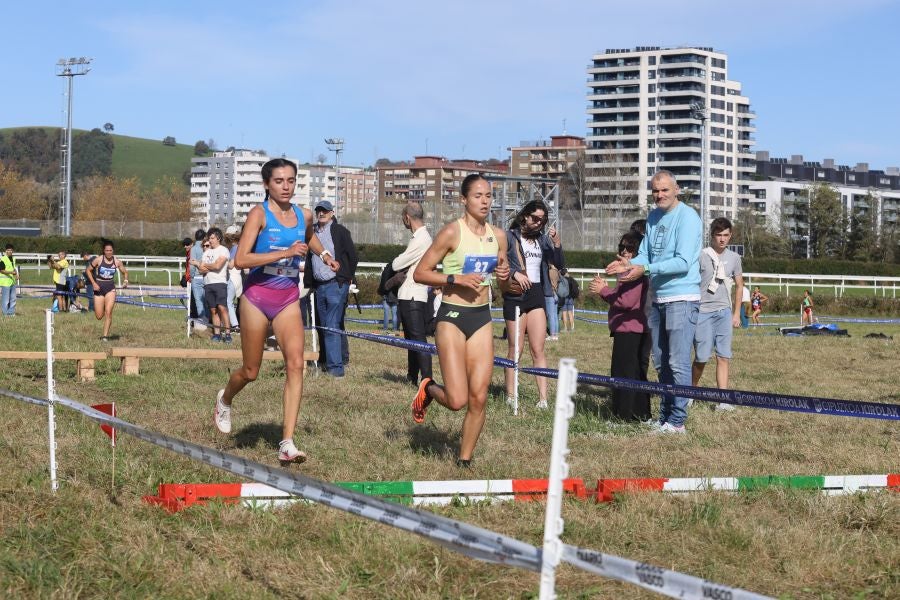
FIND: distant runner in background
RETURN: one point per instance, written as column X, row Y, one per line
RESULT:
column 102, row 274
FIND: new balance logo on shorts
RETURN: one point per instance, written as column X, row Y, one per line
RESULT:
column 452, row 314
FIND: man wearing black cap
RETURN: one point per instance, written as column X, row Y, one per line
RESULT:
column 331, row 288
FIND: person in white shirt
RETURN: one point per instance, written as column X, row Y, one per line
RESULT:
column 412, row 296
column 214, row 268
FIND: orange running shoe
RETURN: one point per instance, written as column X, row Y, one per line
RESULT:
column 421, row 401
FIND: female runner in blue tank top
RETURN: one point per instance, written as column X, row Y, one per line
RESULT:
column 276, row 237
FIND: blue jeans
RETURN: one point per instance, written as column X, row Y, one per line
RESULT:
column 672, row 327
column 331, row 299
column 8, row 299
column 550, row 305
column 199, row 297
column 390, row 315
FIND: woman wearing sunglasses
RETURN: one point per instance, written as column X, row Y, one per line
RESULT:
column 530, row 253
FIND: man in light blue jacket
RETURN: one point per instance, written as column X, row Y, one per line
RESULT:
column 670, row 255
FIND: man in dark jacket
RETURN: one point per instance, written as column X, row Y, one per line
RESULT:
column 331, row 289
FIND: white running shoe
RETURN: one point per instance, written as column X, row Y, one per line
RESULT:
column 223, row 414
column 669, row 428
column 542, row 405
column 510, row 401
column 287, row 452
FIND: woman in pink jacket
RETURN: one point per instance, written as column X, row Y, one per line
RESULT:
column 627, row 326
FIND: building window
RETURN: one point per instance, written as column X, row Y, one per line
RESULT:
column 788, row 171
column 651, row 74
column 651, row 88
column 651, row 157
column 651, row 102
column 851, row 177
column 651, row 115
column 651, row 60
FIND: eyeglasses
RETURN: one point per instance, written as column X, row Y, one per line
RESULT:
column 206, row 245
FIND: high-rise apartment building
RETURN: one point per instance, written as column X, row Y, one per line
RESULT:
column 226, row 185
column 643, row 116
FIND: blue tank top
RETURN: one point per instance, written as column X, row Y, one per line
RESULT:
column 283, row 273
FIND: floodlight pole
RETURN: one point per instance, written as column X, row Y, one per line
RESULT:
column 336, row 145
column 698, row 111
column 69, row 68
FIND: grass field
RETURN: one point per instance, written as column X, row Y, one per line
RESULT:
column 94, row 539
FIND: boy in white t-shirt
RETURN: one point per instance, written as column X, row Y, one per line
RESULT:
column 214, row 268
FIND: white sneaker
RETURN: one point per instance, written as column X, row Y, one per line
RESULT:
column 652, row 423
column 510, row 401
column 223, row 414
column 287, row 452
column 690, row 402
column 669, row 428
column 724, row 406
column 542, row 405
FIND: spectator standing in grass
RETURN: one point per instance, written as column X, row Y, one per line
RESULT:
column 567, row 305
column 470, row 249
column 9, row 280
column 101, row 272
column 235, row 278
column 274, row 241
column 531, row 253
column 60, row 266
column 197, row 276
column 214, row 268
column 332, row 288
column 628, row 328
column 413, row 297
column 87, row 257
column 670, row 256
column 721, row 290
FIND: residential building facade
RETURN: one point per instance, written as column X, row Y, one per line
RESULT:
column 780, row 193
column 226, row 185
column 433, row 180
column 647, row 108
column 545, row 158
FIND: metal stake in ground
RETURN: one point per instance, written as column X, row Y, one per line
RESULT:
column 559, row 470
column 51, row 399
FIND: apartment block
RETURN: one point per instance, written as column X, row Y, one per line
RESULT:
column 433, row 180
column 226, row 185
column 644, row 114
column 545, row 158
column 780, row 191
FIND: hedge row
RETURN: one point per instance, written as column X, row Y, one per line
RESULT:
column 382, row 253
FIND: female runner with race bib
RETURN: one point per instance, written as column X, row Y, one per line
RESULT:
column 276, row 236
column 471, row 250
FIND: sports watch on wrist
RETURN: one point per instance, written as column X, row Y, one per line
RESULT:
column 451, row 279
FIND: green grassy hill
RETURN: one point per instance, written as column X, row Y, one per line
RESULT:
column 148, row 160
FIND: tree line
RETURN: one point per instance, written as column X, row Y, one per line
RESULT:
column 30, row 178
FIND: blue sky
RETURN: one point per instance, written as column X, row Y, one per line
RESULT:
column 459, row 79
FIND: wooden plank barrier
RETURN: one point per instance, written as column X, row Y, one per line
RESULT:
column 84, row 360
column 131, row 357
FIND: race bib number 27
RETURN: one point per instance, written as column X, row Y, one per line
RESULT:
column 480, row 263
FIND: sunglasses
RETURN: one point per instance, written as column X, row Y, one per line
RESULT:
column 536, row 219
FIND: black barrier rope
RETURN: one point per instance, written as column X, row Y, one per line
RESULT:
column 804, row 404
